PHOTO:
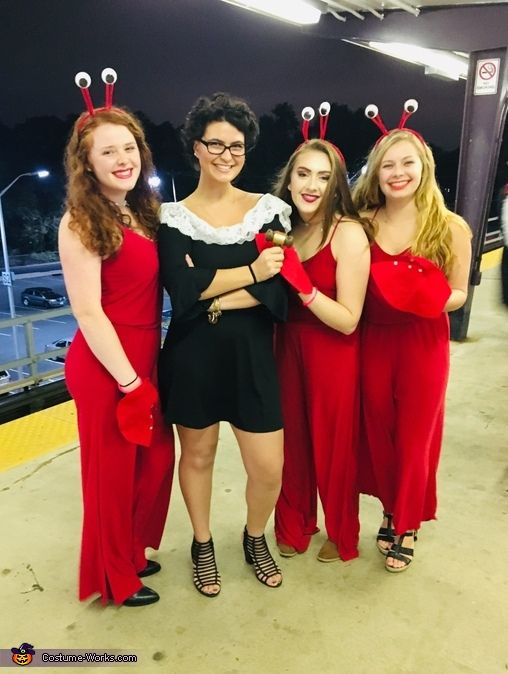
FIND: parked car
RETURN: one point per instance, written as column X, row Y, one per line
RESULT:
column 58, row 344
column 42, row 297
column 166, row 319
column 5, row 379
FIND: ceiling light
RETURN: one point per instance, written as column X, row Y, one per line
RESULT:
column 296, row 11
column 446, row 64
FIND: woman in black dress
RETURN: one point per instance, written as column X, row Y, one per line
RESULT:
column 217, row 362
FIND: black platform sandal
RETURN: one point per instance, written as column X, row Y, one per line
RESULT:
column 386, row 534
column 257, row 553
column 400, row 553
column 204, row 567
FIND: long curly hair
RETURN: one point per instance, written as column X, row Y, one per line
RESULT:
column 337, row 197
column 96, row 219
column 433, row 238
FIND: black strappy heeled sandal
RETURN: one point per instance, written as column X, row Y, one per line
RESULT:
column 204, row 567
column 386, row 534
column 400, row 553
column 257, row 553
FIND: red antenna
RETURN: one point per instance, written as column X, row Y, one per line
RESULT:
column 308, row 115
column 83, row 81
column 410, row 107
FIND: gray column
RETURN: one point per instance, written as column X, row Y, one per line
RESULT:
column 482, row 133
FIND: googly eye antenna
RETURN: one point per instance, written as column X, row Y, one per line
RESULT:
column 372, row 112
column 109, row 77
column 410, row 107
column 324, row 113
column 308, row 115
column 83, row 81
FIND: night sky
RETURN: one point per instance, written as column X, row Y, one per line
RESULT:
column 168, row 52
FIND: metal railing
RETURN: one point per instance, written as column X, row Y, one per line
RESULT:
column 33, row 357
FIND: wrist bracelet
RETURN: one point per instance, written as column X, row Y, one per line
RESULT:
column 123, row 386
column 214, row 312
column 311, row 298
column 252, row 273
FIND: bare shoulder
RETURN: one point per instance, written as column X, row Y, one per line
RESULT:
column 458, row 227
column 351, row 229
column 65, row 221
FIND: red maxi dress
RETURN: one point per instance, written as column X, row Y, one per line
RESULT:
column 126, row 488
column 404, row 373
column 319, row 380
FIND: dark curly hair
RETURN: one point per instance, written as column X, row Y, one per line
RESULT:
column 219, row 107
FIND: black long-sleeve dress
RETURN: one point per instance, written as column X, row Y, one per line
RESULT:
column 224, row 371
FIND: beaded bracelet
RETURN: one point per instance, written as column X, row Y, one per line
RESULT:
column 311, row 298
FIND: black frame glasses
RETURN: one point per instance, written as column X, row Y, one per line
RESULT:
column 234, row 146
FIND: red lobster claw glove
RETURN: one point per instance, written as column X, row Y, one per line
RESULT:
column 413, row 284
column 292, row 268
column 134, row 413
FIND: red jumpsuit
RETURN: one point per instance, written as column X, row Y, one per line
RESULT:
column 319, row 378
column 126, row 488
column 404, row 373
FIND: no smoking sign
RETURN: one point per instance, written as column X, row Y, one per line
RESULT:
column 486, row 77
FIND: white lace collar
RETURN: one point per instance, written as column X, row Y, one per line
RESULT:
column 175, row 214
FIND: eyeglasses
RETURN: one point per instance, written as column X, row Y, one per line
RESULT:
column 218, row 147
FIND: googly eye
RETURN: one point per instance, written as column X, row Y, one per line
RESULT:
column 371, row 111
column 109, row 76
column 411, row 105
column 324, row 109
column 308, row 113
column 83, row 80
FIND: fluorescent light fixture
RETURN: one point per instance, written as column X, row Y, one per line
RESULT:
column 436, row 62
column 42, row 174
column 296, row 11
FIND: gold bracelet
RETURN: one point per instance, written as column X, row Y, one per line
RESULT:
column 214, row 312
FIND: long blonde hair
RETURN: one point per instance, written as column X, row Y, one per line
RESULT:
column 433, row 237
column 337, row 197
column 96, row 219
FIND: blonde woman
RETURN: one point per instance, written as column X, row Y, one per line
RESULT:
column 420, row 268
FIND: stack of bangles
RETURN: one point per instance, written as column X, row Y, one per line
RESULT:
column 312, row 297
column 214, row 312
column 122, row 387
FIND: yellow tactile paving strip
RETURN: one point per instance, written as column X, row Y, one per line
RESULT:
column 492, row 259
column 47, row 431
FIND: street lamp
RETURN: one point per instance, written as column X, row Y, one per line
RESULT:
column 6, row 274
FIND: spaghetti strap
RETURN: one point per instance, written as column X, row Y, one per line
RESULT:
column 335, row 228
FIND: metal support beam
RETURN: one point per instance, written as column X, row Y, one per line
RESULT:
column 482, row 133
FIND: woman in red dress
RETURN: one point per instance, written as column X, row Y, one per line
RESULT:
column 420, row 268
column 318, row 357
column 109, row 259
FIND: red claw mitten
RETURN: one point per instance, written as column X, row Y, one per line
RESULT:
column 134, row 413
column 413, row 284
column 292, row 268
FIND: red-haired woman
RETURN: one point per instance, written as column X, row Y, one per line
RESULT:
column 109, row 259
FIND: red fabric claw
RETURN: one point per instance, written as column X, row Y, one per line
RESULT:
column 413, row 284
column 292, row 268
column 134, row 413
